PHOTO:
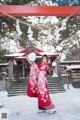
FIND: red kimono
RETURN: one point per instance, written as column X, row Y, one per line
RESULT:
column 37, row 86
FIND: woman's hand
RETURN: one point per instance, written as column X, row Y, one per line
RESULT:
column 26, row 56
column 30, row 62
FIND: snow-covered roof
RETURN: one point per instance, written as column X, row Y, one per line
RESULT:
column 24, row 57
column 73, row 67
column 15, row 55
column 39, row 52
column 20, row 57
column 4, row 64
column 70, row 62
column 49, row 53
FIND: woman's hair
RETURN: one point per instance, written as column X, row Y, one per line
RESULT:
column 45, row 56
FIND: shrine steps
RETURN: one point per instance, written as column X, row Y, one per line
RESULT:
column 20, row 87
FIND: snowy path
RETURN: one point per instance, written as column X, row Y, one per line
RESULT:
column 25, row 108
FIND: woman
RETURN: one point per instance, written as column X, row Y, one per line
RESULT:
column 33, row 79
column 37, row 86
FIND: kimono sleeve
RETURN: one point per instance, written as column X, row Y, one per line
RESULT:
column 47, row 68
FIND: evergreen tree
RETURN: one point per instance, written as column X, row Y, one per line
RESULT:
column 8, row 28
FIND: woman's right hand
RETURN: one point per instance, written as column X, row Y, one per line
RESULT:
column 30, row 62
column 26, row 56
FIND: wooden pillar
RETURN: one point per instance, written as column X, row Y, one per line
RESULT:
column 55, row 72
column 23, row 70
column 58, row 67
column 10, row 69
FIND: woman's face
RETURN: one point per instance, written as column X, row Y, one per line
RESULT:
column 44, row 60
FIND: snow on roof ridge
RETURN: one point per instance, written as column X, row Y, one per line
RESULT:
column 69, row 61
column 4, row 63
column 72, row 66
column 49, row 53
column 15, row 54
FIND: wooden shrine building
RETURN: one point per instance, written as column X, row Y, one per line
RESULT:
column 19, row 67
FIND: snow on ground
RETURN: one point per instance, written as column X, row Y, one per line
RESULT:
column 25, row 108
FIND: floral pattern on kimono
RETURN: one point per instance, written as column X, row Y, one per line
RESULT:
column 33, row 83
column 44, row 100
column 37, row 85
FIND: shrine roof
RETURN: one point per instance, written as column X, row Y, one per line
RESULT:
column 39, row 52
column 4, row 64
column 73, row 67
column 14, row 55
column 69, row 62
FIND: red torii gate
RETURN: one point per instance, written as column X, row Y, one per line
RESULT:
column 20, row 10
